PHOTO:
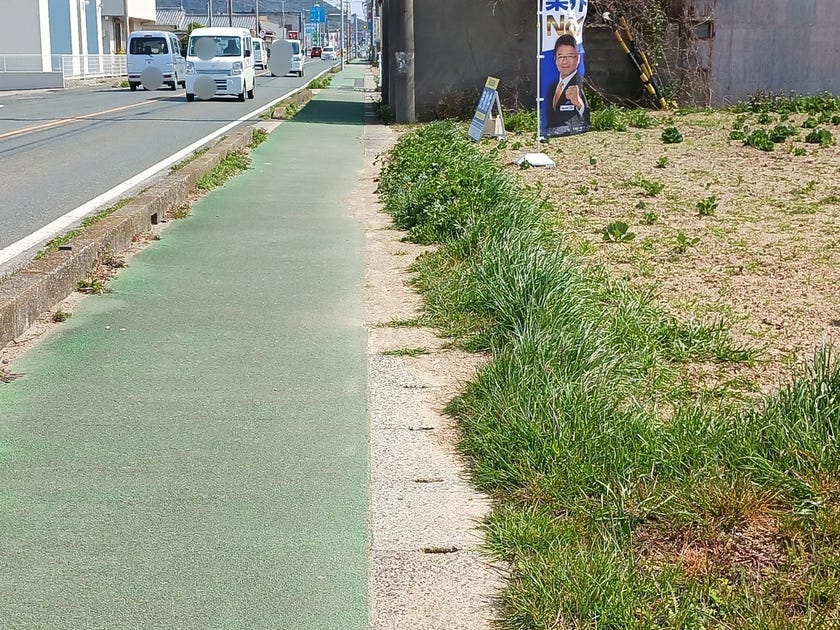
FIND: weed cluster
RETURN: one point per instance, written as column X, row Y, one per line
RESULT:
column 258, row 136
column 618, row 232
column 53, row 244
column 231, row 165
column 821, row 109
column 624, row 497
column 320, row 83
column 521, row 121
column 384, row 112
column 671, row 135
column 766, row 102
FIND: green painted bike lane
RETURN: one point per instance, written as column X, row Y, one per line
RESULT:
column 190, row 450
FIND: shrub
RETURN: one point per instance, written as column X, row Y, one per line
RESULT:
column 671, row 135
column 521, row 121
column 609, row 119
column 822, row 137
column 759, row 139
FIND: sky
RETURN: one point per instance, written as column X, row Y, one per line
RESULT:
column 356, row 6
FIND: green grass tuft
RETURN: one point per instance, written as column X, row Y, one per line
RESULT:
column 626, row 494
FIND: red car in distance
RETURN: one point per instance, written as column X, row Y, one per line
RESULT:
column 315, row 52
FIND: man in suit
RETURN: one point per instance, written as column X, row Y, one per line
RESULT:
column 565, row 103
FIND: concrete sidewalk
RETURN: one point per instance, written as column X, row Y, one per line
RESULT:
column 191, row 450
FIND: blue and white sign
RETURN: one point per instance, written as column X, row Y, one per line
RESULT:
column 482, row 112
column 317, row 14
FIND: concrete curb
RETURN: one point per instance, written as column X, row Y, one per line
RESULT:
column 35, row 289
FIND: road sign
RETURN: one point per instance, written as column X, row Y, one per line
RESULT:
column 317, row 14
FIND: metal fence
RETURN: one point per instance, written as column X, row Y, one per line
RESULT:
column 70, row 66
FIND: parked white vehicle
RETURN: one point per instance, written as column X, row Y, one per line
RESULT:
column 220, row 61
column 155, row 49
column 260, row 53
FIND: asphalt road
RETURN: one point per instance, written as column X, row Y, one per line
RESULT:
column 67, row 150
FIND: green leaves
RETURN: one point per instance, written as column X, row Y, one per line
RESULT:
column 684, row 242
column 760, row 139
column 650, row 188
column 822, row 137
column 706, row 207
column 671, row 135
column 617, row 232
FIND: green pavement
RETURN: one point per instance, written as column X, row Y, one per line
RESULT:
column 190, row 450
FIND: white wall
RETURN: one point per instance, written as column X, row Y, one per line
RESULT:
column 140, row 13
column 137, row 9
column 142, row 9
column 20, row 26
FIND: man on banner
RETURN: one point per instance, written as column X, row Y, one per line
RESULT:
column 565, row 110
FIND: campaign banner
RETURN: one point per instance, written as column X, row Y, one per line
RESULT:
column 564, row 108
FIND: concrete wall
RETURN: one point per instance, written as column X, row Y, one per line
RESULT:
column 142, row 10
column 457, row 46
column 30, row 80
column 775, row 45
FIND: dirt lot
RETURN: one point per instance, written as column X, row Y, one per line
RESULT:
column 762, row 256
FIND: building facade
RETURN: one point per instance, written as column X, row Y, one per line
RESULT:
column 70, row 27
column 121, row 17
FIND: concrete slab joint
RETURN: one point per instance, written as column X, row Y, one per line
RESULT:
column 34, row 290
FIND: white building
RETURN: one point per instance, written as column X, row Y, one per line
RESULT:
column 121, row 17
column 41, row 41
column 70, row 27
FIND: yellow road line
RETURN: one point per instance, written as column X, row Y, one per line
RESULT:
column 64, row 121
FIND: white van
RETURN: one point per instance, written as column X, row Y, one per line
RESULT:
column 282, row 47
column 298, row 58
column 158, row 49
column 260, row 53
column 225, row 54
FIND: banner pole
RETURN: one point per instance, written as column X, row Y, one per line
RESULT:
column 539, row 59
column 538, row 158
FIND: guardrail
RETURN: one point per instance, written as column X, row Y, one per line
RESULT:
column 70, row 66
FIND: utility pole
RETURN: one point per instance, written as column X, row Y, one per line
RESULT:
column 285, row 33
column 407, row 112
column 230, row 12
column 342, row 34
column 373, row 49
column 257, row 11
